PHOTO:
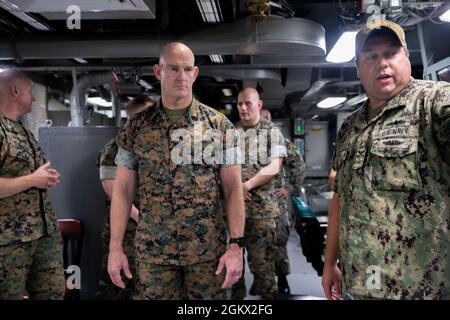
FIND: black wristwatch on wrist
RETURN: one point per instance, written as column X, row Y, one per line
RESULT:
column 239, row 241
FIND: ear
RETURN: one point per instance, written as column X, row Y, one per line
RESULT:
column 157, row 71
column 14, row 91
column 196, row 71
column 260, row 105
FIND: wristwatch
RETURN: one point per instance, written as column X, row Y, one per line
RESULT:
column 239, row 241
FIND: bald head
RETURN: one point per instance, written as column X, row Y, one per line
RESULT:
column 10, row 78
column 176, row 48
column 249, row 106
column 16, row 93
column 250, row 92
column 265, row 114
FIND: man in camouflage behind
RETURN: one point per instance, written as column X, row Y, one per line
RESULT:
column 288, row 183
column 181, row 239
column 389, row 219
column 30, row 242
column 107, row 169
column 259, row 173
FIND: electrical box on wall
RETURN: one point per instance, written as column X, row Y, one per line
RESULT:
column 317, row 156
column 299, row 127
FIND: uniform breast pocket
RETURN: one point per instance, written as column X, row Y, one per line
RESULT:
column 394, row 164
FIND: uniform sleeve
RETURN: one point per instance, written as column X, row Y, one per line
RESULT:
column 125, row 138
column 441, row 120
column 231, row 148
column 277, row 144
column 125, row 143
column 107, row 172
column 126, row 159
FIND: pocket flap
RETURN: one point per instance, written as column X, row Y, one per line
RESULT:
column 394, row 147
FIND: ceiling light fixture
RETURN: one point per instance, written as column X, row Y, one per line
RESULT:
column 227, row 92
column 216, row 58
column 445, row 16
column 99, row 101
column 344, row 49
column 210, row 11
column 331, row 102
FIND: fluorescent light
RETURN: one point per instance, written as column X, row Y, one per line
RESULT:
column 145, row 84
column 331, row 102
column 80, row 60
column 227, row 92
column 216, row 58
column 99, row 101
column 210, row 11
column 344, row 49
column 109, row 113
column 1, row 70
column 445, row 16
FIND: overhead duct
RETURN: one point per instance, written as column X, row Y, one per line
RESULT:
column 273, row 36
column 77, row 95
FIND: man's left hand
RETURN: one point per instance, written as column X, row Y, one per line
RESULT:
column 232, row 261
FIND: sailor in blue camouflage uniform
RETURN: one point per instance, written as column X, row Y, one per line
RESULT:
column 389, row 220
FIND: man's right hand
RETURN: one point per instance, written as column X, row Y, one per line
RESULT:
column 117, row 261
column 45, row 177
column 331, row 282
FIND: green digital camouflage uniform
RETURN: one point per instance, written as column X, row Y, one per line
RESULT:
column 294, row 169
column 181, row 232
column 393, row 180
column 30, row 241
column 106, row 289
column 262, row 212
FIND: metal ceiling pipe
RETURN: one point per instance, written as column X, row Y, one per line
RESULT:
column 78, row 95
column 273, row 36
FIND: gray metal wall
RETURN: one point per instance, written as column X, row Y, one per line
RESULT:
column 73, row 152
column 317, row 157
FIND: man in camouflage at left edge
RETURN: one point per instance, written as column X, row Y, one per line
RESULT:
column 288, row 183
column 181, row 240
column 106, row 290
column 31, row 258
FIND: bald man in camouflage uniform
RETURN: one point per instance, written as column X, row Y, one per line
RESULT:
column 181, row 239
column 106, row 290
column 259, row 173
column 389, row 220
column 30, row 241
